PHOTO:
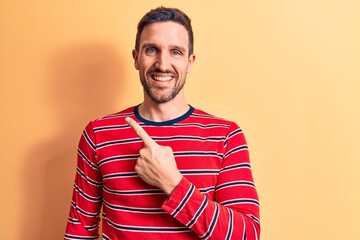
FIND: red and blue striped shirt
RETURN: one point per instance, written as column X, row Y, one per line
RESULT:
column 216, row 198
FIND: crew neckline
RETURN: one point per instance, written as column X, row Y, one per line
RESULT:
column 164, row 123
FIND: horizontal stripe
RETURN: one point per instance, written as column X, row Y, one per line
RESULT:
column 120, row 175
column 118, row 142
column 254, row 218
column 234, row 184
column 134, row 209
column 92, row 228
column 83, row 156
column 235, row 150
column 88, row 140
column 240, row 201
column 177, row 125
column 153, row 229
column 201, row 126
column 71, row 236
column 176, row 154
column 196, row 172
column 207, row 190
column 161, row 139
column 110, row 127
column 189, row 138
column 232, row 134
column 83, row 212
column 235, row 166
column 73, row 220
column 87, row 179
column 104, row 237
column 117, row 115
column 133, row 192
column 87, row 196
column 148, row 191
column 199, row 115
column 192, row 172
column 198, row 154
column 118, row 158
column 235, row 132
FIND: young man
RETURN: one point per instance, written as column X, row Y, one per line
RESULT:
column 163, row 169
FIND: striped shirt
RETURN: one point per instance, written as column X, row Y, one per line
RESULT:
column 216, row 198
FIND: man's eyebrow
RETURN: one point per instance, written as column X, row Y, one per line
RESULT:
column 183, row 49
column 146, row 45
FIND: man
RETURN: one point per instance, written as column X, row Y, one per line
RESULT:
column 163, row 169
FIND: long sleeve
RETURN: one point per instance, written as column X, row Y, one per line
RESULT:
column 86, row 202
column 234, row 214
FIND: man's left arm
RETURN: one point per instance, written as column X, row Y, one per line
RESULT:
column 235, row 211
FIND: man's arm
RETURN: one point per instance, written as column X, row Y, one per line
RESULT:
column 234, row 214
column 87, row 194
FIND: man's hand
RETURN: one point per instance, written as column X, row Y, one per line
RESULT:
column 156, row 164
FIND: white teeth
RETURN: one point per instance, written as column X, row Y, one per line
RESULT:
column 162, row 78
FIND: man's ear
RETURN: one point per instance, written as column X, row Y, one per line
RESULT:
column 192, row 58
column 135, row 57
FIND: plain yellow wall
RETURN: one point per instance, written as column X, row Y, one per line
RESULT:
column 286, row 71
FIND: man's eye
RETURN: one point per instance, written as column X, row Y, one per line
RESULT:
column 176, row 52
column 150, row 50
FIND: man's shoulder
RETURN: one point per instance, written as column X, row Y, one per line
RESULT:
column 204, row 116
column 113, row 118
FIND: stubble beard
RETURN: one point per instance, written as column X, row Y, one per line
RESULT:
column 160, row 97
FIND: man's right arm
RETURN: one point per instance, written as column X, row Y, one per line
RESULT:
column 86, row 201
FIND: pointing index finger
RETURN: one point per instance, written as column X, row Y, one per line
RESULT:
column 139, row 131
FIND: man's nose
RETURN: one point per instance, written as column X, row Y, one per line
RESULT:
column 163, row 62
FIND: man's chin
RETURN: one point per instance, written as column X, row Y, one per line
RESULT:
column 162, row 98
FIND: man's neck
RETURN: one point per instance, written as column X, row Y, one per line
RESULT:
column 160, row 112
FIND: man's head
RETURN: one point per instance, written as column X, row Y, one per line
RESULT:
column 162, row 14
column 162, row 54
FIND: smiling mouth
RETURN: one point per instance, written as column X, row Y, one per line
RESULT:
column 162, row 78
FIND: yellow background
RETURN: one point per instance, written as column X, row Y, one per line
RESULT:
column 286, row 71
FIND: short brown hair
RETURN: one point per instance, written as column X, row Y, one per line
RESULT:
column 161, row 14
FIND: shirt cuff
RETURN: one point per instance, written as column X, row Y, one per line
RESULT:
column 176, row 197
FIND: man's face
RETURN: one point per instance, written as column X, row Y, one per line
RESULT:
column 163, row 60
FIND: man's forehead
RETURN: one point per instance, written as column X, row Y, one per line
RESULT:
column 165, row 30
column 167, row 23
